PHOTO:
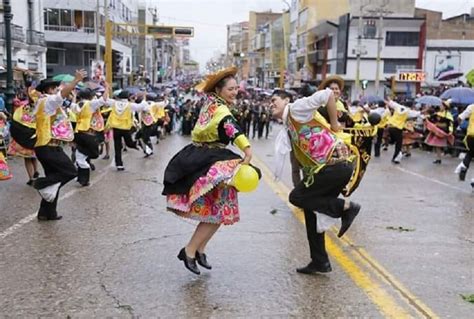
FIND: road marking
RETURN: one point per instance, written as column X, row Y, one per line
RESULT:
column 379, row 296
column 10, row 230
column 433, row 180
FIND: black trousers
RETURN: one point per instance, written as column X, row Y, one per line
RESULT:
column 378, row 142
column 58, row 168
column 87, row 144
column 126, row 135
column 470, row 152
column 145, row 134
column 321, row 196
column 396, row 137
column 267, row 128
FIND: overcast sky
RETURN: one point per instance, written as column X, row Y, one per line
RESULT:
column 210, row 17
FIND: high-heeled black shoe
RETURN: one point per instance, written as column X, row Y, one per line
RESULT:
column 202, row 260
column 189, row 262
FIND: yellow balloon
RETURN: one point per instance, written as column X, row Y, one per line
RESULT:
column 246, row 179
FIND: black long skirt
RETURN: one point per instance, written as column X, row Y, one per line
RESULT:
column 189, row 164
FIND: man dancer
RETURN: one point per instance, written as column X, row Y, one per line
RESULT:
column 121, row 121
column 52, row 129
column 326, row 173
column 90, row 123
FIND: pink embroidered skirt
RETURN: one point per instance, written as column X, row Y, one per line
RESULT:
column 210, row 199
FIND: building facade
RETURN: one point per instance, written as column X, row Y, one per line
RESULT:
column 28, row 43
column 70, row 32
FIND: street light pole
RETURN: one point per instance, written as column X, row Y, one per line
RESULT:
column 7, row 17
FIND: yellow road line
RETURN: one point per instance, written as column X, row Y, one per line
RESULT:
column 379, row 296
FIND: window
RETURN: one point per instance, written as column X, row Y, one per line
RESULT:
column 74, row 57
column 53, row 17
column 303, row 18
column 52, row 56
column 320, row 45
column 402, row 39
column 66, row 18
column 391, row 65
column 89, row 19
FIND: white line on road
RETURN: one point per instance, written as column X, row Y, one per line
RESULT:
column 10, row 230
column 433, row 180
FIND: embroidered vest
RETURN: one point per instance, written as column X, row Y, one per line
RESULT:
column 206, row 128
column 157, row 111
column 315, row 145
column 57, row 126
column 398, row 119
column 25, row 116
column 87, row 120
column 147, row 118
column 123, row 121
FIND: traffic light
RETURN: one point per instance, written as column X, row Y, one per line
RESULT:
column 161, row 31
column 184, row 32
column 117, row 58
column 169, row 32
column 390, row 84
column 364, row 84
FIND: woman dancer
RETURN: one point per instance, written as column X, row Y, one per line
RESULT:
column 196, row 178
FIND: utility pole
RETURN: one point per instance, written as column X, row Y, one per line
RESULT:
column 97, row 34
column 7, row 17
column 108, row 46
column 154, row 13
column 381, row 13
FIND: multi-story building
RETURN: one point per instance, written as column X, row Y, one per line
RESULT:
column 238, row 47
column 368, row 39
column 259, row 44
column 70, row 32
column 449, row 48
column 28, row 44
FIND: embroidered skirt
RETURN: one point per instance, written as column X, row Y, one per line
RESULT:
column 196, row 185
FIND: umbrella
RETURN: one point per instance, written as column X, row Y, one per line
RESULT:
column 133, row 90
column 429, row 100
column 461, row 95
column 449, row 75
column 63, row 78
column 371, row 99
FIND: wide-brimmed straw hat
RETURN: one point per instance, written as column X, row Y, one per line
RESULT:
column 209, row 83
column 332, row 78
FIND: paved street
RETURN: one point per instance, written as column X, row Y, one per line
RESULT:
column 114, row 252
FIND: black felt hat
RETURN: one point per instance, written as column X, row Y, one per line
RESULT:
column 46, row 84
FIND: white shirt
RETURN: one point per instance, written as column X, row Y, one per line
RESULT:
column 402, row 109
column 467, row 112
column 302, row 110
column 120, row 105
column 94, row 105
column 53, row 102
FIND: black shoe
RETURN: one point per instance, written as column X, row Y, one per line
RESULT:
column 92, row 166
column 313, row 268
column 36, row 175
column 202, row 260
column 30, row 182
column 462, row 175
column 106, row 157
column 438, row 161
column 45, row 218
column 189, row 263
column 407, row 154
column 120, row 168
column 348, row 217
